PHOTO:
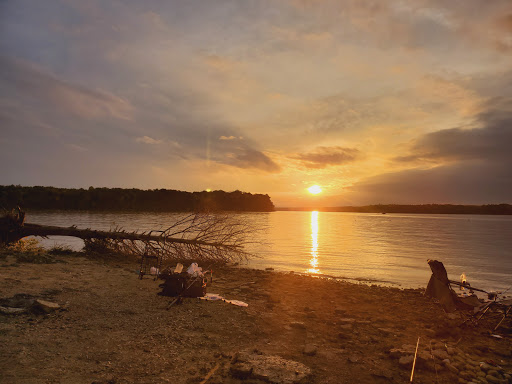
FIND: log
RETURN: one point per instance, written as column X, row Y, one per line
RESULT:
column 201, row 236
column 85, row 234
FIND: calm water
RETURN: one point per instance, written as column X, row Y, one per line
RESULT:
column 391, row 248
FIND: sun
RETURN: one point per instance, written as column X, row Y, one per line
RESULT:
column 314, row 190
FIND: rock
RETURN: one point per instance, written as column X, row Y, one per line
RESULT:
column 430, row 332
column 440, row 354
column 241, row 370
column 386, row 331
column 485, row 367
column 492, row 379
column 272, row 369
column 354, row 358
column 395, row 353
column 12, row 311
column 298, row 325
column 451, row 368
column 406, row 361
column 310, row 350
column 346, row 320
column 45, row 306
column 493, row 372
column 466, row 375
column 381, row 372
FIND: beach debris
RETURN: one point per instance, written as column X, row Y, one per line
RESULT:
column 217, row 297
column 22, row 303
column 269, row 368
column 439, row 288
column 191, row 283
column 194, row 270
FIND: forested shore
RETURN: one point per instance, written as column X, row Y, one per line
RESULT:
column 121, row 199
column 489, row 209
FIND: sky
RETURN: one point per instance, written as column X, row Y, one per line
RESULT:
column 406, row 102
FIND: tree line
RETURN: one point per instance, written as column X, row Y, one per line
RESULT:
column 121, row 199
column 489, row 209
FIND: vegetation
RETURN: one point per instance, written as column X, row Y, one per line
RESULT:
column 28, row 251
column 489, row 209
column 119, row 199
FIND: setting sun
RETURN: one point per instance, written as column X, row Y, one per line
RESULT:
column 315, row 190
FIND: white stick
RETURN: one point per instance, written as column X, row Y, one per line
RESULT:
column 414, row 361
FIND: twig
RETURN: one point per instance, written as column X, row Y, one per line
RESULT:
column 210, row 374
column 414, row 361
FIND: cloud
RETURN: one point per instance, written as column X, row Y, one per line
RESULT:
column 323, row 157
column 490, row 142
column 148, row 140
column 32, row 84
column 230, row 138
column 472, row 166
column 465, row 183
column 251, row 158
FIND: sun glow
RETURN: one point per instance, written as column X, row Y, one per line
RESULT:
column 314, row 190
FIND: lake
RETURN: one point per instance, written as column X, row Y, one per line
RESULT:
column 386, row 249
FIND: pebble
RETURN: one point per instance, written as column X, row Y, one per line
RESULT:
column 465, row 375
column 310, row 350
column 451, row 368
column 298, row 325
column 406, row 361
column 440, row 354
column 492, row 379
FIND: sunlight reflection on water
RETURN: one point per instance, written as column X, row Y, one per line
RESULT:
column 314, row 244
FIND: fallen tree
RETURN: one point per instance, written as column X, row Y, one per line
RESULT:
column 200, row 237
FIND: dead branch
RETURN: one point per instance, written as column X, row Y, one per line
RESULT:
column 200, row 237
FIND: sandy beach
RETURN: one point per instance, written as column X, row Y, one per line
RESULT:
column 112, row 327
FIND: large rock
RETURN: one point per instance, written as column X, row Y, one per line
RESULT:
column 273, row 369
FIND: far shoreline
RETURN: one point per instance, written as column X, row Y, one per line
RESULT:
column 429, row 209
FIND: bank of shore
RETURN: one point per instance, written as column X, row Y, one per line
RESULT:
column 114, row 328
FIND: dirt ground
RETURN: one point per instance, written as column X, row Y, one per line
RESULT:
column 112, row 327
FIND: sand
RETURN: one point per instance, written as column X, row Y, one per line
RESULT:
column 112, row 327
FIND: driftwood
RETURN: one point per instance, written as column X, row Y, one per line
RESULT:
column 201, row 237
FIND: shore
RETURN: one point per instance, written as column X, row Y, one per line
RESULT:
column 112, row 327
